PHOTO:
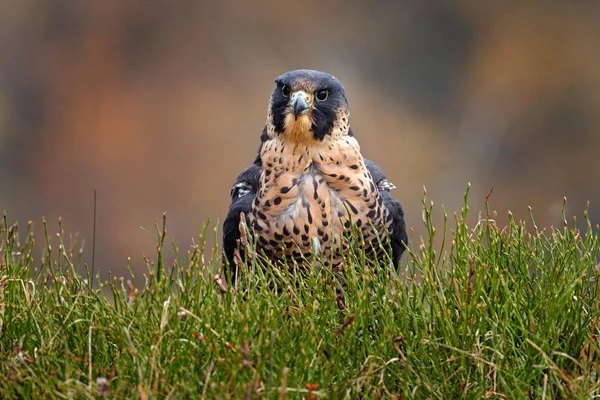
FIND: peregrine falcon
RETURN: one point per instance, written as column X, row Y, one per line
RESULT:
column 309, row 182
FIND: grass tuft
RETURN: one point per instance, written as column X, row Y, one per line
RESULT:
column 495, row 311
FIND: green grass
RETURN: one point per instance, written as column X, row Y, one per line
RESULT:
column 493, row 312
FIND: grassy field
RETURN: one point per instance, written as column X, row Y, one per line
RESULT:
column 501, row 312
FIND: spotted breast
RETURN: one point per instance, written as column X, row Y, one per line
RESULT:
column 309, row 194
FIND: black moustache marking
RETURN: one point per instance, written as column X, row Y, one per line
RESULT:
column 323, row 119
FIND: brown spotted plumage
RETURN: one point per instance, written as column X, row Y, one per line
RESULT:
column 309, row 182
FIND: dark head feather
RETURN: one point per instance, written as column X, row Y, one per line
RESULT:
column 324, row 113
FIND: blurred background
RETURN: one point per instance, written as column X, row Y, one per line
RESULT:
column 159, row 105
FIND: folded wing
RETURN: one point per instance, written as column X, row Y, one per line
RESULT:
column 243, row 193
column 398, row 234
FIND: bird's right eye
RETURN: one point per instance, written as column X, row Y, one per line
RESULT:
column 285, row 90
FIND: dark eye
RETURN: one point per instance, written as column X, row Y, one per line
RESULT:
column 285, row 90
column 322, row 94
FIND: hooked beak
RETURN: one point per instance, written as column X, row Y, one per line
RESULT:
column 300, row 104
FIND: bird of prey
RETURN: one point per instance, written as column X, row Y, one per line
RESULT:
column 309, row 182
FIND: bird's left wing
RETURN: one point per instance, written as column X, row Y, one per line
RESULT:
column 243, row 193
column 398, row 235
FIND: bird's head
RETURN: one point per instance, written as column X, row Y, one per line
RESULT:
column 307, row 105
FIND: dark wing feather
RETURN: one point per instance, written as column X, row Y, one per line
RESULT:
column 243, row 193
column 376, row 172
column 398, row 234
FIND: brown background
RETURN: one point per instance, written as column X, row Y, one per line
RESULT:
column 159, row 105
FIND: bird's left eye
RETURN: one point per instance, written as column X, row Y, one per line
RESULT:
column 322, row 95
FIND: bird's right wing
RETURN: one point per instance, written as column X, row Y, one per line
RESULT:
column 243, row 193
column 398, row 235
